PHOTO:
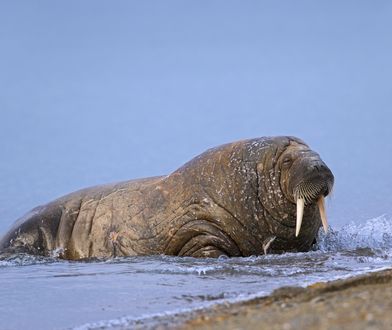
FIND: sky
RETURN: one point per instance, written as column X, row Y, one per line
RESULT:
column 100, row 91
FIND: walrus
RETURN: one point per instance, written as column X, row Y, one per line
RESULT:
column 252, row 197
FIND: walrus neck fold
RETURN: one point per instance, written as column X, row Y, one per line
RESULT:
column 227, row 178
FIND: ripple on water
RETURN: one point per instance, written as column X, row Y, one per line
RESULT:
column 144, row 286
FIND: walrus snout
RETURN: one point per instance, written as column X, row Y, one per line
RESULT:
column 317, row 183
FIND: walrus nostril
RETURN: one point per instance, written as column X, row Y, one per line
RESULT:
column 319, row 167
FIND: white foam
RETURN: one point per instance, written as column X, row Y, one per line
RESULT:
column 375, row 234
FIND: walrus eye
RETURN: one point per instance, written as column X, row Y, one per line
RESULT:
column 287, row 161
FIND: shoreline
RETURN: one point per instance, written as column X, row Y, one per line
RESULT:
column 359, row 302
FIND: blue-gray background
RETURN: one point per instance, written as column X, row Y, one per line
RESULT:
column 100, row 91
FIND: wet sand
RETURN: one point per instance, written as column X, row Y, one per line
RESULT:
column 362, row 302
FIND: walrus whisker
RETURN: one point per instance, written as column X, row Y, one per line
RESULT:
column 309, row 191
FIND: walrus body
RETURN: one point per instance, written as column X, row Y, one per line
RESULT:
column 238, row 199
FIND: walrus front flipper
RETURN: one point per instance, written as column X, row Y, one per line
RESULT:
column 34, row 233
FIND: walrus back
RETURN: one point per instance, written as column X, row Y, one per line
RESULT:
column 65, row 225
column 46, row 227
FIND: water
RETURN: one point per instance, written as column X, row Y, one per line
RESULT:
column 95, row 92
column 107, row 293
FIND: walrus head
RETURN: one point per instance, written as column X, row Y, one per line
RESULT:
column 305, row 180
column 292, row 184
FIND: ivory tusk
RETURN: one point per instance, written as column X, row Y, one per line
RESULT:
column 300, row 214
column 323, row 215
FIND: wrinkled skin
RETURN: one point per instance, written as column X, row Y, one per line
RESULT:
column 231, row 200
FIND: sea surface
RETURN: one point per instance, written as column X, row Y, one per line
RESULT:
column 47, row 293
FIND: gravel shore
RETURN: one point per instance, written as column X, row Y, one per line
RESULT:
column 362, row 302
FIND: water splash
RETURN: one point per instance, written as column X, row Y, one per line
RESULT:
column 374, row 234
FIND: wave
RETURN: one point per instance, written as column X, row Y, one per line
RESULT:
column 23, row 259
